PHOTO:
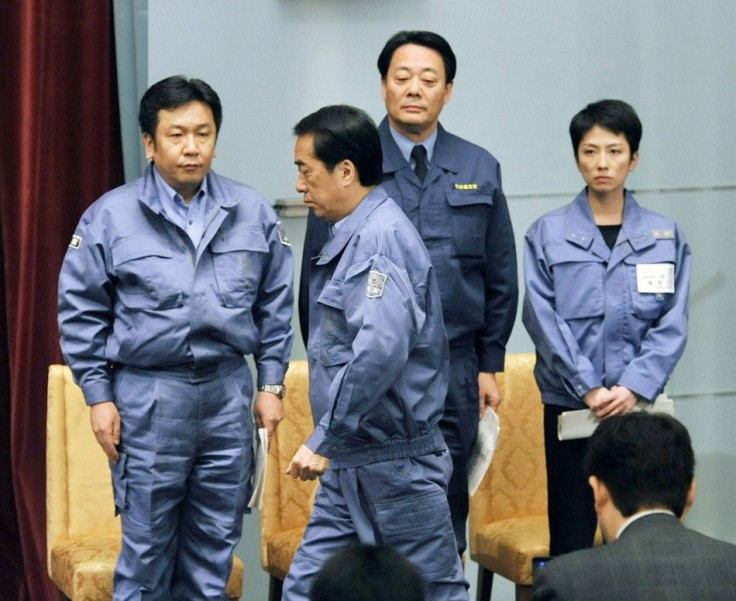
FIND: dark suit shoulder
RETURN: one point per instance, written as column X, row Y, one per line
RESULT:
column 655, row 559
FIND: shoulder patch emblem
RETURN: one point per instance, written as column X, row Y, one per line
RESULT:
column 282, row 234
column 663, row 234
column 76, row 242
column 376, row 284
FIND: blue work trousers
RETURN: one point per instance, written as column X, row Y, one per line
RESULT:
column 400, row 502
column 183, row 479
column 459, row 426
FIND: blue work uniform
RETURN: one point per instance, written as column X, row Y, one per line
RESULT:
column 160, row 326
column 462, row 216
column 378, row 363
column 596, row 321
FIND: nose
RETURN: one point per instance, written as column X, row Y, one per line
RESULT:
column 190, row 145
column 301, row 184
column 602, row 161
column 414, row 86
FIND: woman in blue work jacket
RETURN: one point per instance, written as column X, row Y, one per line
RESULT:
column 606, row 305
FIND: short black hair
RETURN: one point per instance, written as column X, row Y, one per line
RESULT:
column 345, row 132
column 367, row 573
column 429, row 39
column 646, row 460
column 614, row 115
column 172, row 92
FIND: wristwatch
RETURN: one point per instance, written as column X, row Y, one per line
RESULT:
column 277, row 389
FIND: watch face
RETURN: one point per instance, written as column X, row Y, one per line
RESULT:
column 277, row 389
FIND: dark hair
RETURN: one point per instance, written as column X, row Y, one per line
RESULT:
column 428, row 39
column 345, row 132
column 614, row 115
column 172, row 92
column 646, row 460
column 367, row 573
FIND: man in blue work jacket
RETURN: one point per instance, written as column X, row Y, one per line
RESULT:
column 167, row 283
column 378, row 367
column 451, row 191
column 606, row 305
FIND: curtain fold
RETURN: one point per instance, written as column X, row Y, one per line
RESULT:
column 11, row 560
column 61, row 150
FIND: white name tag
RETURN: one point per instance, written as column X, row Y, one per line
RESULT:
column 655, row 278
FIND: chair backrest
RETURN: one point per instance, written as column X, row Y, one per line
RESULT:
column 516, row 482
column 79, row 499
column 287, row 503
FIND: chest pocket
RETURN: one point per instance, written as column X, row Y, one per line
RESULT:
column 335, row 347
column 147, row 274
column 239, row 257
column 470, row 212
column 649, row 306
column 578, row 281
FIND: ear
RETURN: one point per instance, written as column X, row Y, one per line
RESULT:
column 601, row 496
column 634, row 162
column 347, row 172
column 577, row 159
column 690, row 499
column 150, row 144
column 448, row 91
column 609, row 517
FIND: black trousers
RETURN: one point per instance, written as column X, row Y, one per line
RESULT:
column 459, row 426
column 572, row 517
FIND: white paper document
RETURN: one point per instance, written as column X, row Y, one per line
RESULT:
column 583, row 422
column 259, row 473
column 482, row 453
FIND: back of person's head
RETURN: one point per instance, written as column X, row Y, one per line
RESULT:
column 646, row 461
column 171, row 93
column 345, row 132
column 428, row 39
column 614, row 115
column 367, row 573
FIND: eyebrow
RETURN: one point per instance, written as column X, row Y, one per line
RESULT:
column 599, row 145
column 422, row 70
column 196, row 127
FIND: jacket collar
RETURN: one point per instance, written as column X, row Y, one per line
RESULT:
column 656, row 519
column 352, row 223
column 445, row 157
column 221, row 194
column 581, row 230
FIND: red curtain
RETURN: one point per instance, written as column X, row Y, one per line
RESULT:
column 60, row 150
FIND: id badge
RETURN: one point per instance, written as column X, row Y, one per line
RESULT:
column 655, row 278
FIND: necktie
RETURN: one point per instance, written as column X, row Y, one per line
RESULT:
column 419, row 154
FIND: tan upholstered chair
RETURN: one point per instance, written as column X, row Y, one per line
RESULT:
column 82, row 532
column 508, row 513
column 287, row 503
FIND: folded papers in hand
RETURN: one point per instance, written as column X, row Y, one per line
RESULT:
column 582, row 423
column 259, row 474
column 482, row 453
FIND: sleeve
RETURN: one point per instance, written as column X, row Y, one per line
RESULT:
column 273, row 307
column 501, row 286
column 664, row 343
column 552, row 337
column 386, row 327
column 86, row 312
